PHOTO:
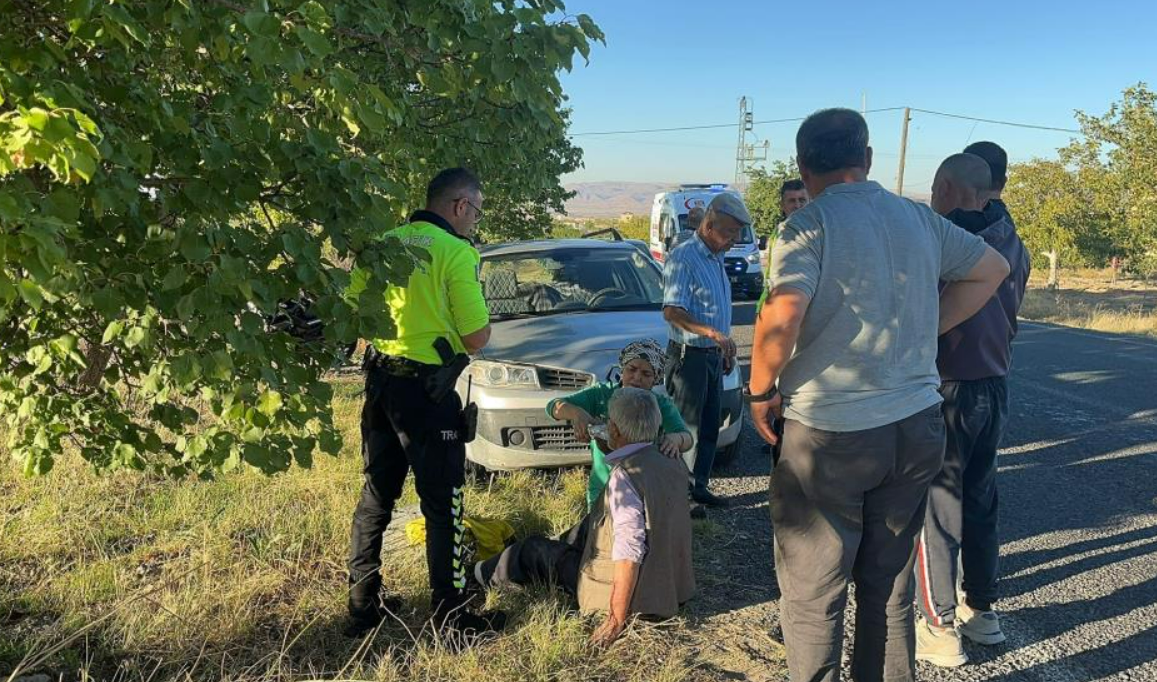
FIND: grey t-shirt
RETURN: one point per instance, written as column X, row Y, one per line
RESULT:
column 870, row 261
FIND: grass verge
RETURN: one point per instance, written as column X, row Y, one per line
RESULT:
column 1094, row 302
column 129, row 577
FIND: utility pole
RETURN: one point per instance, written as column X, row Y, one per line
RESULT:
column 746, row 154
column 746, row 120
column 903, row 151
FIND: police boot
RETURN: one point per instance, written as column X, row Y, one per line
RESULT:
column 462, row 627
column 367, row 607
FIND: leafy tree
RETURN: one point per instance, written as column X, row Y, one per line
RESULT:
column 1099, row 198
column 762, row 195
column 1118, row 162
column 1043, row 195
column 170, row 171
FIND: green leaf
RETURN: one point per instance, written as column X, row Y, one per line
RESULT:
column 262, row 24
column 315, row 42
column 315, row 13
column 112, row 331
column 85, row 166
column 37, row 118
column 108, row 302
column 175, row 278
column 185, row 308
column 330, row 442
column 220, row 365
column 135, row 337
column 269, row 403
column 193, row 246
column 31, row 293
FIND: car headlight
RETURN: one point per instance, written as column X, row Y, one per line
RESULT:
column 753, row 258
column 505, row 374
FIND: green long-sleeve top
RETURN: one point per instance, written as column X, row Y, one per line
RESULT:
column 595, row 400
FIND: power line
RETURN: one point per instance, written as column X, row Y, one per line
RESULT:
column 998, row 122
column 797, row 119
column 769, row 121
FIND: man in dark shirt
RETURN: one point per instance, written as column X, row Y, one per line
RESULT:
column 974, row 361
column 997, row 160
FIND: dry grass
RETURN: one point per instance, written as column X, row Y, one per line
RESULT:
column 1089, row 299
column 128, row 577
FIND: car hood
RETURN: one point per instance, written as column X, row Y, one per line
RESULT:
column 588, row 342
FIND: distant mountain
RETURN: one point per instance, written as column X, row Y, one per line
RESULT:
column 612, row 199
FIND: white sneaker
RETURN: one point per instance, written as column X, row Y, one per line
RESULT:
column 939, row 646
column 982, row 627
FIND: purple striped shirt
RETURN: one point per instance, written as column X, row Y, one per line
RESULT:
column 628, row 516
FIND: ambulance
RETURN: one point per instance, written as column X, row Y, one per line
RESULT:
column 669, row 218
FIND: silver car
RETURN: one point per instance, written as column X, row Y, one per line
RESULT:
column 561, row 310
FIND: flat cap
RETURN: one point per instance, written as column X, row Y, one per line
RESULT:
column 730, row 204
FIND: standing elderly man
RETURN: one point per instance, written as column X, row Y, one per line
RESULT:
column 849, row 332
column 631, row 555
column 974, row 360
column 697, row 307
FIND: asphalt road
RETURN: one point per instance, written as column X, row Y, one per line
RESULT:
column 1078, row 490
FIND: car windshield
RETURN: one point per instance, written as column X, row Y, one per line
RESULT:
column 747, row 237
column 570, row 280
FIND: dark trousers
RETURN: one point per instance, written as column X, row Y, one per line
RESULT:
column 694, row 380
column 848, row 507
column 403, row 429
column 961, row 521
column 539, row 559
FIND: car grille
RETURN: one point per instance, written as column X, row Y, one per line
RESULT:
column 557, row 438
column 735, row 266
column 563, row 379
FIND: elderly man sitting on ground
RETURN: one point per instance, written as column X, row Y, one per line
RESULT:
column 631, row 555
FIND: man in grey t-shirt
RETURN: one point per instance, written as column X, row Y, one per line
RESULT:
column 849, row 333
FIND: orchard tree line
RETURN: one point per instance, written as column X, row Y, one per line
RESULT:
column 172, row 170
column 1095, row 202
column 1098, row 199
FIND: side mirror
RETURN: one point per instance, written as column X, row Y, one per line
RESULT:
column 763, row 243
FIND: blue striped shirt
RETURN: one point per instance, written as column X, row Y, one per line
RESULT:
column 695, row 280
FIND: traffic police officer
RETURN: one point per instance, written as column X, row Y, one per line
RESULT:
column 404, row 427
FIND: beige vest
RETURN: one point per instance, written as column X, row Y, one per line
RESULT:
column 666, row 578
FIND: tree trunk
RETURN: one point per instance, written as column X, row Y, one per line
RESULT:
column 1053, row 257
column 97, row 357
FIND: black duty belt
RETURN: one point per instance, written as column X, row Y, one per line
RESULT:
column 400, row 367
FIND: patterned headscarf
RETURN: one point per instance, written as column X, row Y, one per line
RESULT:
column 649, row 350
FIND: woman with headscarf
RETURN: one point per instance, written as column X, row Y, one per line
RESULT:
column 641, row 366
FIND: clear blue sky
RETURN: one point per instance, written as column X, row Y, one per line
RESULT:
column 677, row 62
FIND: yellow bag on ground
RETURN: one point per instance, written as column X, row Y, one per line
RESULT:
column 488, row 535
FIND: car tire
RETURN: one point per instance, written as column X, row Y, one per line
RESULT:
column 478, row 475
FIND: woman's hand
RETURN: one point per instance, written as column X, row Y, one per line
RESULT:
column 582, row 421
column 672, row 444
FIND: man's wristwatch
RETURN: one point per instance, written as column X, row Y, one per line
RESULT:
column 760, row 398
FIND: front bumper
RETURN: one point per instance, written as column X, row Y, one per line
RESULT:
column 514, row 431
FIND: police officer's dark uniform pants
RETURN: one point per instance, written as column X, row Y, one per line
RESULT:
column 403, row 429
column 694, row 380
column 962, row 503
column 848, row 507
